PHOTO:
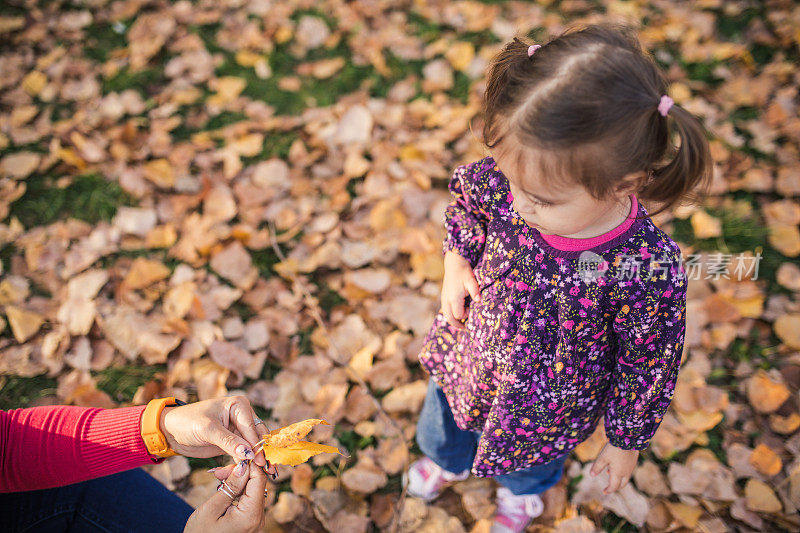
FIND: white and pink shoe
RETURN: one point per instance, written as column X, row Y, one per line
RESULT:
column 426, row 479
column 514, row 513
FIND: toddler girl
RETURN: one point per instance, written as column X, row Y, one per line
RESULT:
column 561, row 302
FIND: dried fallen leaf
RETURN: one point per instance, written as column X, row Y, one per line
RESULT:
column 765, row 460
column 785, row 238
column 24, row 323
column 20, row 165
column 705, row 226
column 765, row 393
column 761, row 498
column 365, row 477
column 686, row 514
column 160, row 172
column 145, row 272
column 648, row 478
column 283, row 446
column 785, row 425
column 287, row 508
column 787, row 328
column 297, row 453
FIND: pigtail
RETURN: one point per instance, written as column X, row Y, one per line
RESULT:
column 687, row 177
column 504, row 80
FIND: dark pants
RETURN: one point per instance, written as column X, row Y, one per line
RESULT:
column 129, row 501
column 454, row 449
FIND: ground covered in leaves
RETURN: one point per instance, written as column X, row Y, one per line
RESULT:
column 231, row 196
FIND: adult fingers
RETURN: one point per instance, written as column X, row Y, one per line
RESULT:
column 222, row 472
column 260, row 457
column 243, row 418
column 262, row 430
column 251, row 503
column 234, row 445
column 220, row 501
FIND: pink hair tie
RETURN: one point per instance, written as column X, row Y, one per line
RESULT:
column 532, row 48
column 665, row 105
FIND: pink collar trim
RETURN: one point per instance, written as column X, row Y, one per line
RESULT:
column 569, row 244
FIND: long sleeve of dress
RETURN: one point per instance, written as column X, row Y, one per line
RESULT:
column 44, row 447
column 465, row 218
column 650, row 328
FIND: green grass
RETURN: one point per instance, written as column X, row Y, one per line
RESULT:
column 353, row 441
column 702, row 71
column 147, row 81
column 394, row 485
column 312, row 93
column 265, row 261
column 9, row 8
column 731, row 27
column 270, row 370
column 121, row 382
column 715, row 440
column 324, row 471
column 159, row 254
column 226, row 118
column 739, row 235
column 17, row 392
column 276, row 144
column 322, row 93
column 304, row 344
column 244, row 311
column 102, row 38
column 614, row 524
column 7, row 251
column 197, row 463
column 327, row 297
column 572, row 485
column 90, row 198
column 300, row 13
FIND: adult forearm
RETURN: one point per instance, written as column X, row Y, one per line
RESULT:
column 43, row 447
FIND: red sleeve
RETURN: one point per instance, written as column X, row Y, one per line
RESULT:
column 44, row 447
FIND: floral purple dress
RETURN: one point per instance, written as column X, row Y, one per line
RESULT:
column 555, row 344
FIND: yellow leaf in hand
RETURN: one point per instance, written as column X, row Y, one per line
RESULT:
column 281, row 438
column 283, row 446
column 296, row 453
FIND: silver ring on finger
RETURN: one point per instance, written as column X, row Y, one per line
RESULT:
column 257, row 420
column 226, row 490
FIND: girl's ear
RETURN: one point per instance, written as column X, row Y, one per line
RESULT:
column 631, row 183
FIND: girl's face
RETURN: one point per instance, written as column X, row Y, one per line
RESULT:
column 567, row 210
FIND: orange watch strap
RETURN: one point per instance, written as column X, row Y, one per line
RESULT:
column 154, row 440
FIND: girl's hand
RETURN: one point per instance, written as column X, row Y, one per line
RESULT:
column 214, row 427
column 620, row 465
column 218, row 514
column 459, row 281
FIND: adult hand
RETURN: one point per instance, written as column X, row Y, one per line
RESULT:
column 459, row 282
column 620, row 465
column 214, row 427
column 220, row 515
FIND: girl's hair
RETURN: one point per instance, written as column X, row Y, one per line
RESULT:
column 587, row 103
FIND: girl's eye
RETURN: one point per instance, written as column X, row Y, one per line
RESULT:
column 542, row 204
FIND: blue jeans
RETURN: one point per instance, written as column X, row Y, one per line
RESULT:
column 129, row 501
column 454, row 449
